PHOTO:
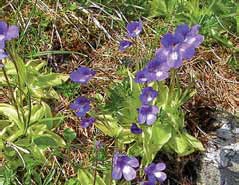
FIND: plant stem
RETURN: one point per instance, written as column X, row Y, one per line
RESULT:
column 12, row 94
column 95, row 170
column 172, row 82
column 30, row 111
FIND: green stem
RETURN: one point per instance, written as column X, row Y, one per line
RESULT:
column 96, row 164
column 30, row 112
column 12, row 93
column 172, row 82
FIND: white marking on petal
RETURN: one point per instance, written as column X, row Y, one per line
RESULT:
column 126, row 46
column 150, row 116
column 149, row 98
column 174, row 56
column 143, row 79
column 191, row 40
column 2, row 37
column 158, row 174
column 182, row 49
column 165, row 52
column 127, row 169
column 159, row 73
column 81, row 80
column 137, row 31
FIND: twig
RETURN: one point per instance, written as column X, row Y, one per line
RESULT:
column 17, row 148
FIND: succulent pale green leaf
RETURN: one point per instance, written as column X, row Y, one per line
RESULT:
column 158, row 7
column 126, row 136
column 45, row 141
column 69, row 134
column 163, row 96
column 161, row 133
column 60, row 142
column 180, row 145
column 86, row 177
column 4, row 123
column 50, row 80
column 10, row 112
column 37, row 113
column 36, row 64
column 155, row 138
column 38, row 153
column 194, row 142
column 108, row 125
column 21, row 70
column 135, row 150
column 1, row 145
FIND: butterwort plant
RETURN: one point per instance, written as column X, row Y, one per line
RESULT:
column 28, row 124
column 160, row 107
column 143, row 113
column 147, row 116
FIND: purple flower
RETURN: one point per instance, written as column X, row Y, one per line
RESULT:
column 124, row 165
column 191, row 41
column 148, row 95
column 147, row 183
column 141, row 76
column 124, row 44
column 134, row 28
column 186, row 51
column 170, row 51
column 147, row 114
column 180, row 45
column 190, row 36
column 181, row 32
column 81, row 105
column 7, row 33
column 82, row 75
column 194, row 40
column 86, row 122
column 157, row 69
column 3, row 54
column 194, row 29
column 135, row 129
column 169, row 40
column 154, row 172
column 174, row 58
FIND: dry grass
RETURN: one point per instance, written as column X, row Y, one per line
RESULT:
column 214, row 81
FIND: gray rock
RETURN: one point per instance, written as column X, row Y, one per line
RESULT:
column 220, row 163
